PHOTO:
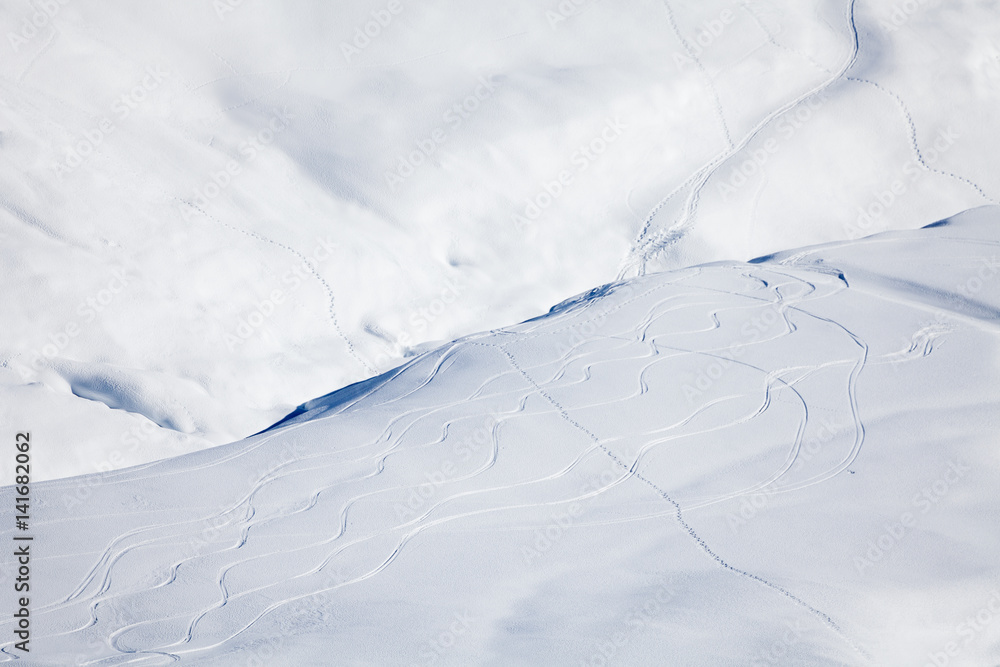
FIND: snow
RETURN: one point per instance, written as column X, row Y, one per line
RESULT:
column 786, row 461
column 201, row 228
column 260, row 268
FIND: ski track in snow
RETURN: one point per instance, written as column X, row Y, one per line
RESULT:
column 344, row 484
column 200, row 556
column 632, row 470
column 128, row 543
column 643, row 248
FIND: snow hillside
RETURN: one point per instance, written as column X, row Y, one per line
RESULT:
column 787, row 461
column 211, row 212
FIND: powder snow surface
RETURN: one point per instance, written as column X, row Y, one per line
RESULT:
column 787, row 461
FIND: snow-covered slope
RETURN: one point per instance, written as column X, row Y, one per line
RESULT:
column 213, row 211
column 788, row 461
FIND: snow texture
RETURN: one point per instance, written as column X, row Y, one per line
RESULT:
column 212, row 212
column 787, row 461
